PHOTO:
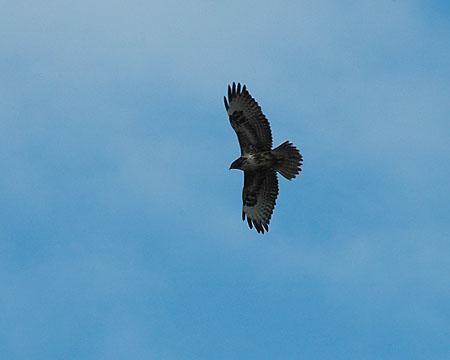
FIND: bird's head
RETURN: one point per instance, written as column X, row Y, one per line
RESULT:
column 237, row 164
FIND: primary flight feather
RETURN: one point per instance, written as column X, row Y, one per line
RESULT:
column 258, row 161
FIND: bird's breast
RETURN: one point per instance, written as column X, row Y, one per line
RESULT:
column 258, row 161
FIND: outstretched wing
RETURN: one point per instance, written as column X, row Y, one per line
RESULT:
column 259, row 197
column 246, row 118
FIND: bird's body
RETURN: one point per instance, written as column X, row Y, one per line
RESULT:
column 258, row 161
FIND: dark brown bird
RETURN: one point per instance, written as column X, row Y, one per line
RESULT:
column 258, row 161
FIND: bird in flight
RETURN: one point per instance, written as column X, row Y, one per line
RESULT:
column 258, row 161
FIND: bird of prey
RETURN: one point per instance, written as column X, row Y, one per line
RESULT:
column 258, row 161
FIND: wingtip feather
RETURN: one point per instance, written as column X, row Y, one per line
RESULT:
column 236, row 89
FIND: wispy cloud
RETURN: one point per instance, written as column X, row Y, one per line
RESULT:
column 120, row 220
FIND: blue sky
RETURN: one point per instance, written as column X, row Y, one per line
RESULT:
column 120, row 223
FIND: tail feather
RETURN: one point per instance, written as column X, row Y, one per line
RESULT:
column 289, row 160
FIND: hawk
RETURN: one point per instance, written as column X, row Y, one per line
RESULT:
column 258, row 161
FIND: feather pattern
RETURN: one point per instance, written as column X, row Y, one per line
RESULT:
column 258, row 161
column 248, row 121
column 259, row 198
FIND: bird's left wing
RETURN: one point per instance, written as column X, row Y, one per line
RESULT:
column 259, row 197
column 247, row 119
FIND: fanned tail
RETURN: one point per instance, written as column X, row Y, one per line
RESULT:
column 289, row 160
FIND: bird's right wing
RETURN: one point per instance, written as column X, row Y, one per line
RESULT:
column 259, row 198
